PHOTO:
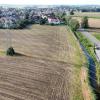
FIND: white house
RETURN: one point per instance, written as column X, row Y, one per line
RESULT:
column 53, row 21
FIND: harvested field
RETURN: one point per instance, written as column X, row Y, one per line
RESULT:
column 93, row 22
column 47, row 68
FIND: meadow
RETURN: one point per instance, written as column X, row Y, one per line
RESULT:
column 97, row 35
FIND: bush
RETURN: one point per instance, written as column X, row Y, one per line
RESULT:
column 84, row 23
column 10, row 51
column 52, row 24
column 66, row 20
column 43, row 21
column 74, row 24
column 71, row 12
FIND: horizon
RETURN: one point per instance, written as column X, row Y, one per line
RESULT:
column 49, row 2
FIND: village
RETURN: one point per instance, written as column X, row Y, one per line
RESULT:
column 12, row 17
column 50, row 52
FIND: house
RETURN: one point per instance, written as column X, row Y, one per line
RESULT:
column 53, row 20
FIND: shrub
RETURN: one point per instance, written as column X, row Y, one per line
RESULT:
column 43, row 21
column 74, row 24
column 71, row 12
column 84, row 23
column 66, row 20
column 10, row 51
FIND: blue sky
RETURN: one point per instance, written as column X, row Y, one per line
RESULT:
column 50, row 2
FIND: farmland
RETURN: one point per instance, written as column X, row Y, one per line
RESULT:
column 97, row 35
column 89, row 14
column 47, row 66
column 93, row 22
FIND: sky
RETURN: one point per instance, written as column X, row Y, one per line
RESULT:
column 51, row 2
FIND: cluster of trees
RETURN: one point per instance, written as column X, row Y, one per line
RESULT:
column 74, row 24
column 43, row 21
column 90, row 9
column 23, row 23
column 84, row 23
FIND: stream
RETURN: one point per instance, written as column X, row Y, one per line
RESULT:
column 92, row 72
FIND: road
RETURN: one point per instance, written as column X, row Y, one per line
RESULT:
column 93, row 40
column 89, row 36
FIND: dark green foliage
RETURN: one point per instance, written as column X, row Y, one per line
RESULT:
column 66, row 20
column 52, row 24
column 10, row 51
column 63, row 15
column 71, row 12
column 74, row 24
column 52, row 14
column 86, row 43
column 84, row 23
column 43, row 21
column 23, row 23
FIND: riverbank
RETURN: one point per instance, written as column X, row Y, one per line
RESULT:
column 86, row 89
column 92, row 62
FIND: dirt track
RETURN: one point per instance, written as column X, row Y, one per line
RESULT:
column 46, row 72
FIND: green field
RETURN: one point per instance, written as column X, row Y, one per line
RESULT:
column 89, row 14
column 97, row 35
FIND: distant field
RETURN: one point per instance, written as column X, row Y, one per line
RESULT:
column 89, row 14
column 48, row 69
column 93, row 22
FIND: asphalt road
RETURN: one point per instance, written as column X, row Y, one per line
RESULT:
column 93, row 40
column 90, row 37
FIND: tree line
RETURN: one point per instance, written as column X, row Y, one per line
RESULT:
column 74, row 24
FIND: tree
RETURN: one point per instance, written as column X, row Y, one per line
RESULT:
column 52, row 14
column 10, row 51
column 63, row 15
column 66, row 20
column 84, row 23
column 74, row 24
column 71, row 12
column 43, row 21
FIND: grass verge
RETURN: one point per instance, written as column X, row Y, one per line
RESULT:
column 97, row 35
column 89, row 48
column 75, row 59
column 86, row 89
